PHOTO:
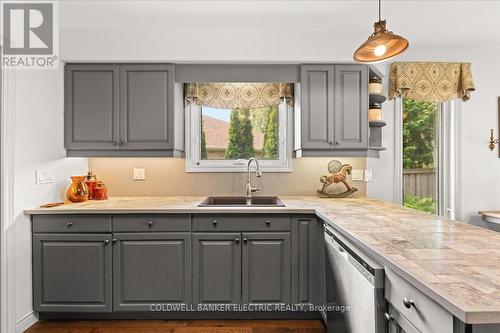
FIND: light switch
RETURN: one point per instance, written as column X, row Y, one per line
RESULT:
column 44, row 176
column 368, row 175
column 139, row 174
column 357, row 175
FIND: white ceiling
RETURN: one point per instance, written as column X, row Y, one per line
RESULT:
column 431, row 26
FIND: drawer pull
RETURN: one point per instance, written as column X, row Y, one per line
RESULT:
column 245, row 239
column 214, row 222
column 388, row 317
column 408, row 303
column 114, row 240
column 268, row 222
column 237, row 240
column 69, row 224
column 150, row 224
column 106, row 241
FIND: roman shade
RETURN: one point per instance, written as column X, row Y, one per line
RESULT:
column 431, row 81
column 238, row 95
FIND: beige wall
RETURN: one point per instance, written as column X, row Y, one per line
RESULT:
column 167, row 176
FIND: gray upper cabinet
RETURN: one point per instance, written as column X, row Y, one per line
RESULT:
column 151, row 268
column 217, row 268
column 317, row 106
column 334, row 110
column 146, row 102
column 119, row 110
column 72, row 272
column 351, row 107
column 266, row 267
column 91, row 106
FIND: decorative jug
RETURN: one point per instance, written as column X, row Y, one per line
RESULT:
column 77, row 191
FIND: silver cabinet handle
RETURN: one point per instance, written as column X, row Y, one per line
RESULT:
column 245, row 239
column 106, row 241
column 388, row 317
column 237, row 240
column 69, row 224
column 214, row 222
column 330, row 143
column 114, row 240
column 268, row 222
column 337, row 143
column 408, row 303
column 115, row 143
column 121, row 143
column 150, row 224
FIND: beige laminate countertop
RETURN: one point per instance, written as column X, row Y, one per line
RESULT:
column 456, row 264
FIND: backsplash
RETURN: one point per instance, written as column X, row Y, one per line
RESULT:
column 167, row 177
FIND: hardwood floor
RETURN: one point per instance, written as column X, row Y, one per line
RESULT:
column 178, row 326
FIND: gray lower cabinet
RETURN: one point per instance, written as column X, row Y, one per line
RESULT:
column 216, row 268
column 72, row 272
column 266, row 267
column 399, row 324
column 308, row 251
column 119, row 110
column 151, row 268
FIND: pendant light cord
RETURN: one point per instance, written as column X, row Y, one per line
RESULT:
column 379, row 10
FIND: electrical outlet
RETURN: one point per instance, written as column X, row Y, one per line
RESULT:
column 139, row 174
column 44, row 176
column 357, row 175
column 368, row 175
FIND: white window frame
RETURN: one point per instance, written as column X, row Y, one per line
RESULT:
column 448, row 139
column 193, row 141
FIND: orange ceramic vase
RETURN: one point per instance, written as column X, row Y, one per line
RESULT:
column 77, row 190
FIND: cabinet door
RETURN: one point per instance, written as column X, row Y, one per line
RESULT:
column 317, row 106
column 216, row 268
column 309, row 257
column 72, row 272
column 266, row 268
column 146, row 107
column 91, row 106
column 151, row 268
column 351, row 107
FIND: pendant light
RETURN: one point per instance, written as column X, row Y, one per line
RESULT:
column 381, row 45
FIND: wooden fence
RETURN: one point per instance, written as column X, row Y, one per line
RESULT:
column 420, row 183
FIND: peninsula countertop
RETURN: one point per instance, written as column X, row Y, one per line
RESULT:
column 455, row 264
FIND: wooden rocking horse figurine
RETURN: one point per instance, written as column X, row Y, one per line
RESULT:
column 338, row 174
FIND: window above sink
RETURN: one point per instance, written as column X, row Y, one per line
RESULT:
column 229, row 123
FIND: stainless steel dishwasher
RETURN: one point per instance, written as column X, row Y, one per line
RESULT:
column 354, row 288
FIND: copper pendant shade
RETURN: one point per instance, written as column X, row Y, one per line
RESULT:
column 381, row 45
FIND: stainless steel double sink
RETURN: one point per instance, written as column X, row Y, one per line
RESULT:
column 242, row 202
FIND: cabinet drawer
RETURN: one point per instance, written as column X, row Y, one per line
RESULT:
column 241, row 223
column 72, row 223
column 426, row 315
column 150, row 222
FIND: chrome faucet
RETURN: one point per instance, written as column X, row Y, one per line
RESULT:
column 250, row 189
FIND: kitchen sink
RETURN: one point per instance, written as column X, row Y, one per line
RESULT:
column 242, row 202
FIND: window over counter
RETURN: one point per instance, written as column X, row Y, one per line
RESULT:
column 230, row 122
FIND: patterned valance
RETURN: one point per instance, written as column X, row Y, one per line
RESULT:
column 431, row 81
column 236, row 95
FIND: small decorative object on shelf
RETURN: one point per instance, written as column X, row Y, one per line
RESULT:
column 77, row 191
column 375, row 85
column 375, row 112
column 337, row 174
